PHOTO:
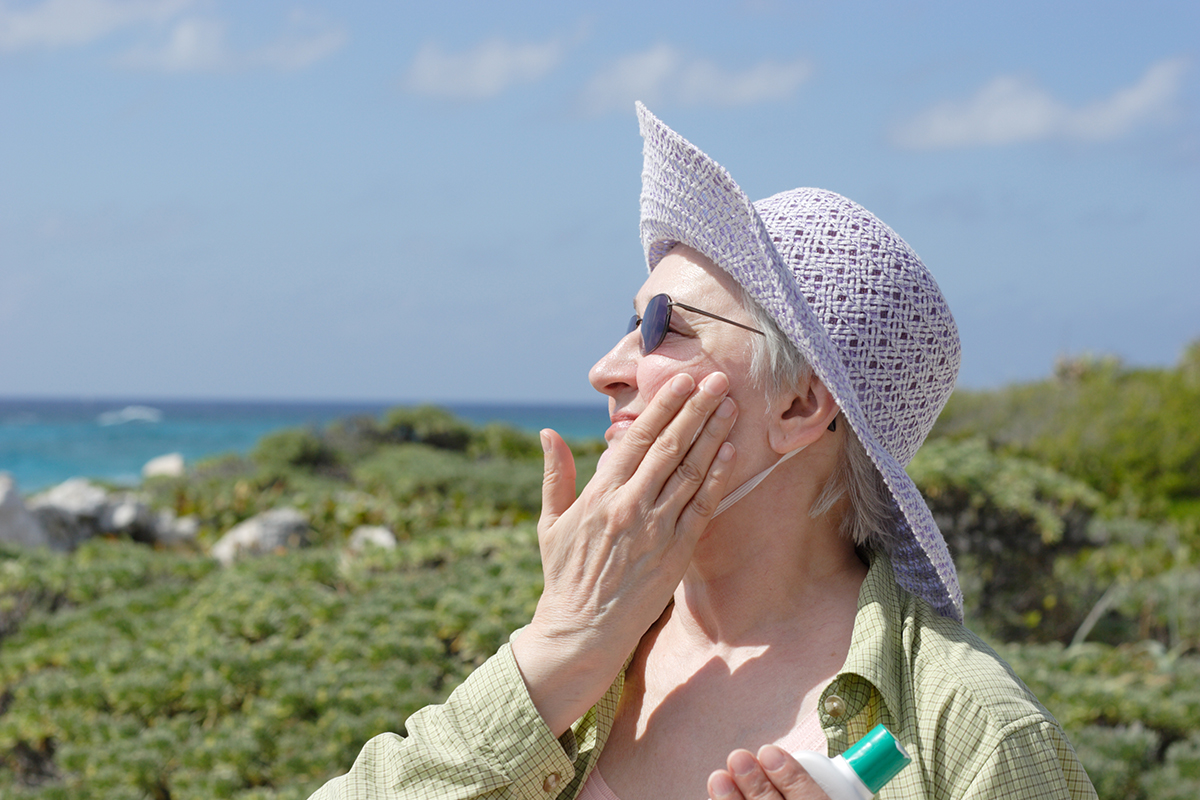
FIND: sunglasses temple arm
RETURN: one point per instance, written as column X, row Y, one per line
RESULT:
column 717, row 316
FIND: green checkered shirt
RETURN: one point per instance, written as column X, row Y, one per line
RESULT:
column 973, row 729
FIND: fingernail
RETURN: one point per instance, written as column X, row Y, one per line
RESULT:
column 725, row 410
column 715, row 384
column 741, row 763
column 682, row 384
column 726, row 452
column 721, row 786
column 545, row 437
column 771, row 758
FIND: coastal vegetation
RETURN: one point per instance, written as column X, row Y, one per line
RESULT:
column 1072, row 506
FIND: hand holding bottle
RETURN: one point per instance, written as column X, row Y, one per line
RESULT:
column 775, row 775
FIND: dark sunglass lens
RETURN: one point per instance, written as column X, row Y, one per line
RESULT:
column 633, row 323
column 655, row 322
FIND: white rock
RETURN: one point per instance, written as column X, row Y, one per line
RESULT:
column 186, row 529
column 17, row 525
column 264, row 533
column 365, row 536
column 76, row 497
column 172, row 530
column 170, row 465
column 70, row 513
column 126, row 514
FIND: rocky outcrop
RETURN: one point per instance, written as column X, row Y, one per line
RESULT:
column 170, row 530
column 170, row 466
column 365, row 536
column 280, row 528
column 17, row 525
column 69, row 514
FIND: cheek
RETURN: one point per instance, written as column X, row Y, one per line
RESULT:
column 654, row 372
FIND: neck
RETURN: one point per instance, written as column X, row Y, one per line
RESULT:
column 755, row 575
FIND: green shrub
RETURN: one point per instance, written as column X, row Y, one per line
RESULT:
column 1122, row 430
column 427, row 424
column 127, row 672
column 294, row 447
column 1007, row 521
column 264, row 679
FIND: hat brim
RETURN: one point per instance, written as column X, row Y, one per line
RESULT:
column 688, row 198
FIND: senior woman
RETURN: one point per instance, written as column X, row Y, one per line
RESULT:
column 687, row 639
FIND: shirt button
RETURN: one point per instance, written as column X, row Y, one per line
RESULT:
column 551, row 783
column 835, row 706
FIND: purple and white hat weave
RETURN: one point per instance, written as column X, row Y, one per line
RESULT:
column 850, row 294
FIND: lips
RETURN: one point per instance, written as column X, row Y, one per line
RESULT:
column 620, row 424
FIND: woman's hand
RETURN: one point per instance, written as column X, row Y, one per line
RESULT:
column 773, row 775
column 613, row 557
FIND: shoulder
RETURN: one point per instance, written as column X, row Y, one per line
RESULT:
column 922, row 662
column 976, row 724
column 950, row 664
column 970, row 720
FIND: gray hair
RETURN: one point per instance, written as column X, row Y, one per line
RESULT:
column 776, row 367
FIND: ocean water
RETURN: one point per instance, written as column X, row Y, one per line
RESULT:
column 45, row 442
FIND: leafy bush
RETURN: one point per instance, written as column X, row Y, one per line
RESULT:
column 294, row 447
column 126, row 672
column 177, row 679
column 1132, row 712
column 429, row 425
column 1121, row 430
column 498, row 440
column 1007, row 521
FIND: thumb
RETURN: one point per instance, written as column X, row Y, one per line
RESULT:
column 558, row 479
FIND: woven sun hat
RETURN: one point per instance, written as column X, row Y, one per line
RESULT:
column 850, row 294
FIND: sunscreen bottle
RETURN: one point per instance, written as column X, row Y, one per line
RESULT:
column 862, row 770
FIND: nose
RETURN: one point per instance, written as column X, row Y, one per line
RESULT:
column 616, row 372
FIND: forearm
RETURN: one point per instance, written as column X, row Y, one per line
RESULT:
column 566, row 673
column 487, row 740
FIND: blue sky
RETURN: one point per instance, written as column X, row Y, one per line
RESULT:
column 391, row 201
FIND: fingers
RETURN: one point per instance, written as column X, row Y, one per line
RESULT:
column 650, row 424
column 743, row 780
column 773, row 775
column 700, row 481
column 558, row 479
column 701, row 507
column 668, row 459
column 787, row 776
column 678, row 436
column 722, row 787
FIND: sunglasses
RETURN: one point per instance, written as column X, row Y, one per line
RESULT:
column 656, row 321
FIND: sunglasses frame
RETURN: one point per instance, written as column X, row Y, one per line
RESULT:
column 636, row 322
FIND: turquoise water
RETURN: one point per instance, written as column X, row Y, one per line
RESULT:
column 44, row 442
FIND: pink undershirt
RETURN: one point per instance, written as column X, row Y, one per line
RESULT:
column 805, row 736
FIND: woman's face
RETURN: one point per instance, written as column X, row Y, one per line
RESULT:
column 695, row 344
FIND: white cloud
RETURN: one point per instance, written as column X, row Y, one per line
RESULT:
column 663, row 75
column 197, row 44
column 482, row 72
column 58, row 23
column 1009, row 110
column 306, row 40
column 194, row 45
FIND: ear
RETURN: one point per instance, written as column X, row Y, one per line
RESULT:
column 801, row 417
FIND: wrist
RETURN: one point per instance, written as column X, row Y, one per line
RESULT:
column 564, row 673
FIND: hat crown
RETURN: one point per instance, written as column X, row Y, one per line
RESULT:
column 881, row 307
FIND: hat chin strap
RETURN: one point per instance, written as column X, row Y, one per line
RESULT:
column 748, row 486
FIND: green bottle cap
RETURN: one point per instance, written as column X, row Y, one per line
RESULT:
column 876, row 758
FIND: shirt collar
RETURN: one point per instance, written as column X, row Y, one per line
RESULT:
column 878, row 630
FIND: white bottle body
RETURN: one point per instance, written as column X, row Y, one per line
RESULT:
column 833, row 775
